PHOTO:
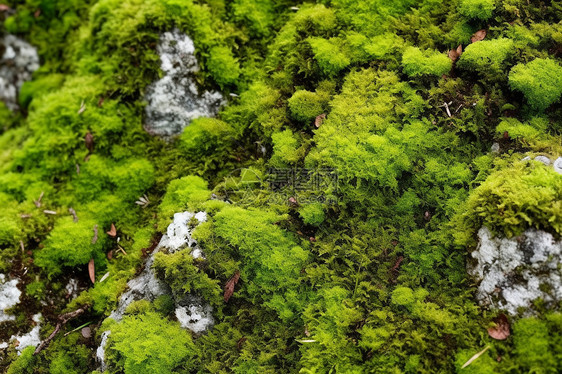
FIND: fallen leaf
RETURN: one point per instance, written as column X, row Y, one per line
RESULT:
column 319, row 120
column 229, row 286
column 89, row 140
column 473, row 358
column 92, row 270
column 454, row 54
column 4, row 8
column 478, row 36
column 113, row 231
column 501, row 329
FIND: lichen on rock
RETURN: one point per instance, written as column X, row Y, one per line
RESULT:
column 9, row 297
column 19, row 60
column 513, row 273
column 176, row 99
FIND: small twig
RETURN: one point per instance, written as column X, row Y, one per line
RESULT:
column 95, row 238
column 50, row 212
column 38, row 201
column 73, row 212
column 22, row 246
column 63, row 319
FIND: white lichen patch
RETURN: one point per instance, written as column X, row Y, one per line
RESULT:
column 513, row 273
column 176, row 99
column 9, row 297
column 19, row 60
column 32, row 338
column 195, row 315
column 100, row 351
column 178, row 234
column 191, row 312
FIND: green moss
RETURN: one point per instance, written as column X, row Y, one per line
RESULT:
column 513, row 199
column 531, row 340
column 540, row 81
column 487, row 55
column 149, row 343
column 330, row 54
column 312, row 214
column 477, row 9
column 182, row 194
column 418, row 63
column 71, row 244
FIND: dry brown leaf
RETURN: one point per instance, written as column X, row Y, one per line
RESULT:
column 229, row 286
column 478, row 36
column 113, row 231
column 89, row 140
column 92, row 270
column 319, row 120
column 454, row 54
column 501, row 329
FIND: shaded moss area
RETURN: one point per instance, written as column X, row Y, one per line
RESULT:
column 366, row 273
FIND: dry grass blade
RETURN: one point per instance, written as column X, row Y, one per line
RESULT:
column 82, row 108
column 473, row 358
column 52, row 212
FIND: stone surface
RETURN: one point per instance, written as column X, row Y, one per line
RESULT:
column 9, row 297
column 545, row 160
column 191, row 312
column 194, row 314
column 512, row 273
column 176, row 99
column 19, row 60
column 558, row 165
column 32, row 338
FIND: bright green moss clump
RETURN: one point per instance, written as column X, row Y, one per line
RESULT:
column 539, row 80
column 528, row 194
column 148, row 343
column 477, row 9
column 392, row 152
column 487, row 55
column 418, row 63
column 71, row 243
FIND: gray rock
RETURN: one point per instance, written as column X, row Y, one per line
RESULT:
column 176, row 99
column 512, row 273
column 495, row 148
column 19, row 60
column 545, row 160
column 558, row 165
